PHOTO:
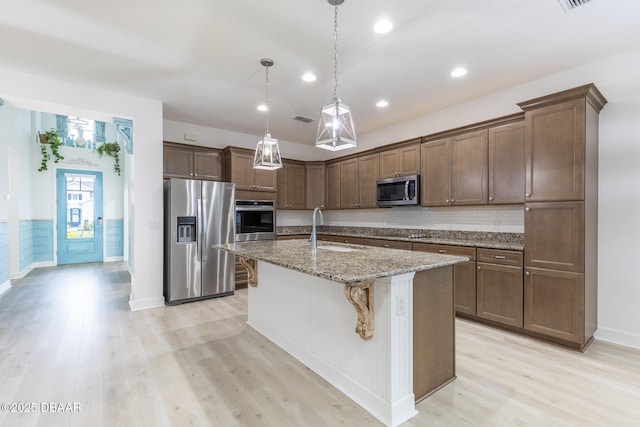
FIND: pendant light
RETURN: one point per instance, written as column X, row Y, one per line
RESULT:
column 335, row 130
column 267, row 154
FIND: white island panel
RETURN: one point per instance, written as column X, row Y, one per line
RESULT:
column 311, row 319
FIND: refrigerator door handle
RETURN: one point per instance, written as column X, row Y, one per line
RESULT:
column 199, row 231
column 204, row 230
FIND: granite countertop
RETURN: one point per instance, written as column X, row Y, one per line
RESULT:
column 507, row 241
column 353, row 264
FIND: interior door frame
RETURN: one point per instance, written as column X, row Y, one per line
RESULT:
column 61, row 213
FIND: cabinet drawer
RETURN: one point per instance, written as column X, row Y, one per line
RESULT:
column 446, row 249
column 293, row 236
column 391, row 244
column 497, row 256
column 345, row 239
column 340, row 239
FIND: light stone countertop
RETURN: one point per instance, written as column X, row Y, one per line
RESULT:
column 360, row 264
column 507, row 241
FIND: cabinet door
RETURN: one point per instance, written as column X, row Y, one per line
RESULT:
column 499, row 293
column 400, row 161
column 177, row 162
column 554, row 304
column 281, row 195
column 264, row 180
column 295, row 186
column 389, row 164
column 554, row 235
column 469, row 169
column 349, row 184
column 464, row 274
column 333, row 186
column 506, row 164
column 207, row 165
column 315, row 188
column 555, row 152
column 242, row 170
column 464, row 284
column 368, row 172
column 435, row 187
column 389, row 244
column 409, row 160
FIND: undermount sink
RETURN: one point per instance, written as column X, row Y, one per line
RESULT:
column 336, row 248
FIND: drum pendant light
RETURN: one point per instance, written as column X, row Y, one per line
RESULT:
column 267, row 154
column 335, row 129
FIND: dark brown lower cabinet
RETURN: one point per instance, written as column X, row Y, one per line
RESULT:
column 464, row 274
column 554, row 304
column 499, row 286
column 499, row 293
column 433, row 331
column 242, row 278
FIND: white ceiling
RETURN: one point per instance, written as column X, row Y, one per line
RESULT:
column 201, row 58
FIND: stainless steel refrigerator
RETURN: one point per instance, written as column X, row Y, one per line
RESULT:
column 197, row 215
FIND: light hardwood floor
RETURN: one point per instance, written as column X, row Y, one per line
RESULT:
column 67, row 336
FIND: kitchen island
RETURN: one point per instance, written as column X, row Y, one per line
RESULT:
column 376, row 323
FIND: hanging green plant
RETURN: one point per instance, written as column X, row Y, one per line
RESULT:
column 49, row 139
column 111, row 149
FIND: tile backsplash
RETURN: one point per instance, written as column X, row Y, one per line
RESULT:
column 507, row 218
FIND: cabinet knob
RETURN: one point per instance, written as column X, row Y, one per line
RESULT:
column 385, row 245
column 526, row 273
column 447, row 200
column 491, row 199
column 453, row 200
column 528, row 195
column 196, row 174
column 442, row 251
column 479, row 268
column 527, row 209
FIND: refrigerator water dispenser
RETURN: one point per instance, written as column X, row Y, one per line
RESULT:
column 186, row 229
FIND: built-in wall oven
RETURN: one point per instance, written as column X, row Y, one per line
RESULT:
column 255, row 220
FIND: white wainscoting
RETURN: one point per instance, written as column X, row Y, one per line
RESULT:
column 312, row 320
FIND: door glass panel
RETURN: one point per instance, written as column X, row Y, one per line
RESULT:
column 80, row 206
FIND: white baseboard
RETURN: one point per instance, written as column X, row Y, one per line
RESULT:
column 146, row 303
column 5, row 287
column 21, row 274
column 113, row 259
column 615, row 336
column 42, row 264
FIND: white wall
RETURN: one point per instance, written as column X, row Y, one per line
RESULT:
column 144, row 181
column 15, row 132
column 218, row 138
column 619, row 185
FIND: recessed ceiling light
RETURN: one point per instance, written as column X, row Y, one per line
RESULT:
column 459, row 72
column 262, row 107
column 382, row 26
column 309, row 77
column 382, row 103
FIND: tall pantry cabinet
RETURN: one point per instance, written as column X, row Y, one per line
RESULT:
column 561, row 215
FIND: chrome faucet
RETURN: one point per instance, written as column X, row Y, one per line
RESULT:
column 314, row 239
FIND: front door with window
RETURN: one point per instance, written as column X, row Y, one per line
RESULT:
column 79, row 206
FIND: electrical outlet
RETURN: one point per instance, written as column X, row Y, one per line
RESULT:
column 401, row 306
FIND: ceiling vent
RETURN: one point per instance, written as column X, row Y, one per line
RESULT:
column 303, row 119
column 568, row 5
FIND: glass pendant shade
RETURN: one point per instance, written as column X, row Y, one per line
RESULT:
column 267, row 154
column 335, row 130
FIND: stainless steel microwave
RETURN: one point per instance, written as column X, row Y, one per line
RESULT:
column 399, row 191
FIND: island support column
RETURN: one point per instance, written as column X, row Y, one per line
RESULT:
column 311, row 319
